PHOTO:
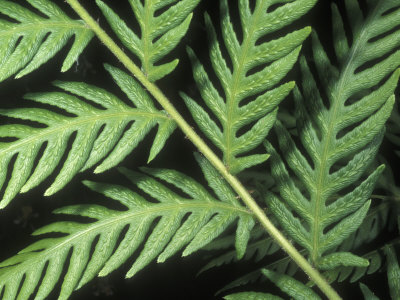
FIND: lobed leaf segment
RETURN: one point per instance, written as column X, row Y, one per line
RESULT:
column 172, row 222
column 159, row 34
column 104, row 134
column 26, row 45
column 275, row 58
column 340, row 138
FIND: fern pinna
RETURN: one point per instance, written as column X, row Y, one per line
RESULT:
column 208, row 217
column 340, row 137
column 35, row 47
column 245, row 56
column 91, row 144
column 89, row 148
column 373, row 224
column 159, row 34
column 323, row 184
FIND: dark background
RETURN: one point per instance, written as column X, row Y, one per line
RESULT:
column 176, row 278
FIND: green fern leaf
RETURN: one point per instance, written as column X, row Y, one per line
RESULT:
column 251, row 296
column 373, row 224
column 159, row 34
column 100, row 133
column 256, row 251
column 393, row 135
column 393, row 272
column 231, row 113
column 290, row 286
column 191, row 221
column 368, row 295
column 340, row 140
column 35, row 39
column 282, row 266
column 393, row 276
column 376, row 260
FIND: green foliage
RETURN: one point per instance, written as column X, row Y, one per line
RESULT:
column 251, row 296
column 256, row 251
column 90, row 145
column 341, row 138
column 373, row 224
column 291, row 286
column 368, row 295
column 393, row 276
column 323, row 157
column 245, row 56
column 159, row 34
column 393, row 272
column 41, row 37
column 208, row 218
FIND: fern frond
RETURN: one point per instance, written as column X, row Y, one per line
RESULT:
column 159, row 35
column 393, row 132
column 376, row 260
column 373, row 224
column 393, row 276
column 102, row 133
column 368, row 295
column 283, row 266
column 387, row 182
column 393, row 271
column 33, row 39
column 341, row 140
column 171, row 223
column 275, row 57
column 251, row 296
column 294, row 288
column 256, row 251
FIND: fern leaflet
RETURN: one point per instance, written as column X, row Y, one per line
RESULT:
column 256, row 251
column 35, row 39
column 280, row 55
column 373, row 224
column 100, row 133
column 159, row 34
column 251, row 296
column 393, row 276
column 368, row 295
column 193, row 221
column 287, row 284
column 341, row 140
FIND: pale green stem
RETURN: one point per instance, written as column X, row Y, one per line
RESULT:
column 207, row 152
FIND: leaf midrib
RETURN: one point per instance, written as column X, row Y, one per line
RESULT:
column 97, row 227
column 72, row 123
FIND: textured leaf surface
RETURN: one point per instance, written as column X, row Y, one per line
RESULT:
column 393, row 134
column 256, row 251
column 373, row 224
column 251, row 296
column 159, row 33
column 102, row 134
column 393, row 272
column 291, row 286
column 163, row 228
column 275, row 58
column 376, row 260
column 340, row 136
column 368, row 295
column 32, row 40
